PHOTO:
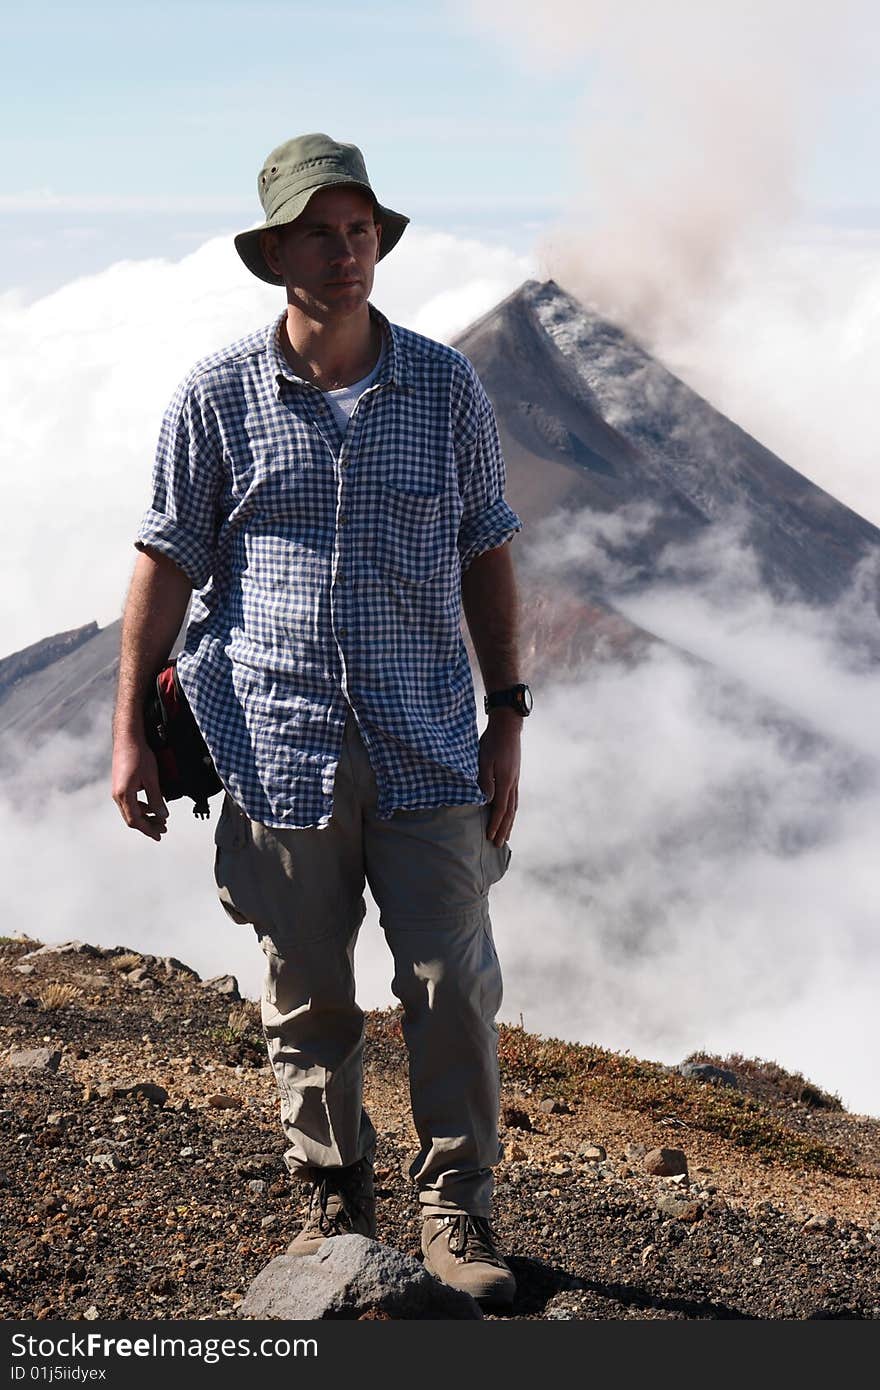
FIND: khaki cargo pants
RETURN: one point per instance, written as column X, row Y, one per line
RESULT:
column 430, row 873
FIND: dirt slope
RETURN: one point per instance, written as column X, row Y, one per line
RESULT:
column 121, row 1204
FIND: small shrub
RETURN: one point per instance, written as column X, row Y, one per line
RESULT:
column 128, row 961
column 58, row 996
column 223, row 1034
column 768, row 1081
column 244, row 1018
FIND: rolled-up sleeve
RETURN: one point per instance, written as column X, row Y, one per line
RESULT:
column 487, row 521
column 183, row 517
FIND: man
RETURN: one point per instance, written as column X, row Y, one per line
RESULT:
column 332, row 486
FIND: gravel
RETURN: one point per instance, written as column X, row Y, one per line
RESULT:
column 144, row 1179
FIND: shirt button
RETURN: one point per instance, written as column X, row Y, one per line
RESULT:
column 342, row 632
column 345, row 462
column 342, row 519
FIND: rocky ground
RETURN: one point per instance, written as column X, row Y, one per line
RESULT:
column 142, row 1176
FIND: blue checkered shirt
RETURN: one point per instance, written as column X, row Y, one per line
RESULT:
column 328, row 570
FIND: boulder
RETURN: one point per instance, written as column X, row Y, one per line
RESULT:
column 65, row 948
column 680, row 1208
column 34, row 1059
column 665, row 1163
column 823, row 1224
column 592, row 1153
column 173, row 966
column 551, row 1105
column 227, row 985
column 348, row 1276
column 143, row 1090
column 705, row 1071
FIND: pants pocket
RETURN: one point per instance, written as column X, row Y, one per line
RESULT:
column 233, row 828
column 231, row 837
column 494, row 859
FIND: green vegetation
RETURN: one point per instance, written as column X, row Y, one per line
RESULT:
column 576, row 1072
column 230, row 1037
column 245, row 1018
column 769, row 1081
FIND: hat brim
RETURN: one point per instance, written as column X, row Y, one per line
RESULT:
column 247, row 244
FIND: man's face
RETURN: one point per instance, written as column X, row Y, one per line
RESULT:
column 328, row 255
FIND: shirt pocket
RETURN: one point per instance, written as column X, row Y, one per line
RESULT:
column 409, row 534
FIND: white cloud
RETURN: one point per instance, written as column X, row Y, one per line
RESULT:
column 704, row 874
column 89, row 369
column 791, row 355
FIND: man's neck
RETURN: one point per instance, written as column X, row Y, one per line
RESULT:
column 331, row 355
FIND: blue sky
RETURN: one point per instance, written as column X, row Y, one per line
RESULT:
column 134, row 131
column 150, row 124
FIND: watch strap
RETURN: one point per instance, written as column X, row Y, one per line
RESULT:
column 515, row 697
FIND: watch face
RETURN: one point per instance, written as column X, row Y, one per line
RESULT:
column 526, row 699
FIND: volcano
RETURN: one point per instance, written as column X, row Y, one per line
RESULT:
column 589, row 419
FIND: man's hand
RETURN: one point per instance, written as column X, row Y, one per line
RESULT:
column 489, row 599
column 499, row 763
column 154, row 610
column 135, row 770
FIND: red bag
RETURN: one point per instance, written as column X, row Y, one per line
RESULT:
column 186, row 768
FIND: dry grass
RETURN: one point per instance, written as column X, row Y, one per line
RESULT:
column 243, row 1026
column 128, row 961
column 58, row 996
column 243, row 1019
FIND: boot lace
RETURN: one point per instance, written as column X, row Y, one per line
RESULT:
column 338, row 1199
column 474, row 1238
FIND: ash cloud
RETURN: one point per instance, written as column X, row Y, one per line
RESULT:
column 687, row 221
column 690, row 137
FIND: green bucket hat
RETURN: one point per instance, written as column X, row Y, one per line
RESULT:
column 290, row 176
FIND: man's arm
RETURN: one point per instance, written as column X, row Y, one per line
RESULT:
column 491, row 608
column 154, row 611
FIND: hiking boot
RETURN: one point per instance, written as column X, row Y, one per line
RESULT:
column 341, row 1202
column 462, row 1251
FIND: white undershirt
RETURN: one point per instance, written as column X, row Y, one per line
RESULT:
column 343, row 400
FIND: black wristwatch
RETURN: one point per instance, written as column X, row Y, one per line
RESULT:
column 518, row 697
